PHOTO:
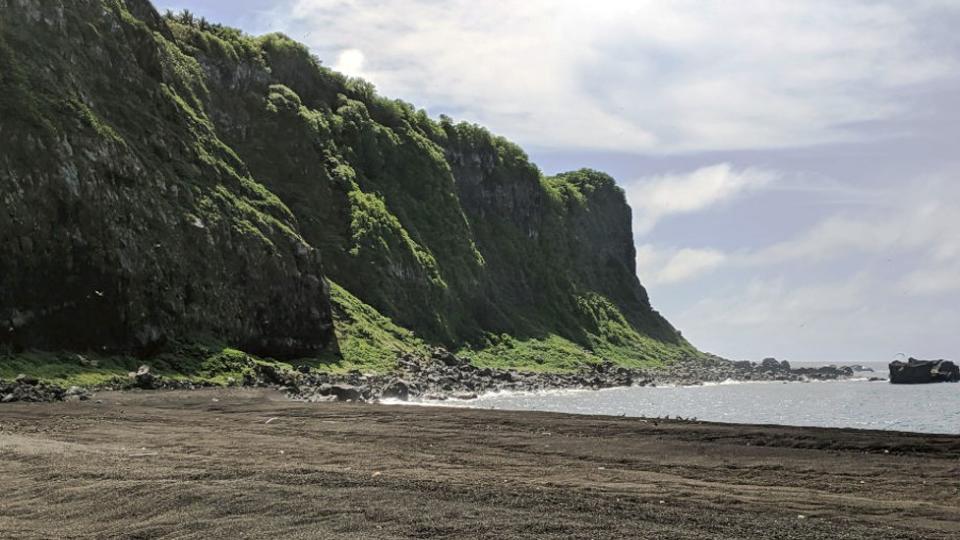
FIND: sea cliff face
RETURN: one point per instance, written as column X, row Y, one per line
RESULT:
column 166, row 180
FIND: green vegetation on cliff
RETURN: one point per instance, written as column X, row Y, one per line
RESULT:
column 211, row 186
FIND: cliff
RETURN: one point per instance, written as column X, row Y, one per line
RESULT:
column 168, row 181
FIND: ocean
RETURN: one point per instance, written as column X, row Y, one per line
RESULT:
column 857, row 403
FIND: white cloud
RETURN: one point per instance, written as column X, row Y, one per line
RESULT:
column 912, row 230
column 659, row 196
column 858, row 318
column 862, row 285
column 920, row 222
column 764, row 301
column 665, row 266
column 350, row 62
column 640, row 74
column 933, row 278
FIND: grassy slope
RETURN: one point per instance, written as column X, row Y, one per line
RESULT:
column 368, row 340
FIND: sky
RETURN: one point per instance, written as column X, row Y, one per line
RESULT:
column 793, row 167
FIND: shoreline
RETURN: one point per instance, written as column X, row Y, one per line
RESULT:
column 439, row 376
column 730, row 404
column 443, row 375
column 578, row 390
column 384, row 471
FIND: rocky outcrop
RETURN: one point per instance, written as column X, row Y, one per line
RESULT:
column 915, row 371
column 443, row 375
column 440, row 375
column 126, row 222
column 26, row 388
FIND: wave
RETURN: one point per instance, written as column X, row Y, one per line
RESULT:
column 461, row 402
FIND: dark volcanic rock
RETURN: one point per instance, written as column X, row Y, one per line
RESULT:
column 269, row 374
column 143, row 378
column 11, row 391
column 396, row 389
column 428, row 377
column 771, row 363
column 915, row 371
column 447, row 357
column 346, row 392
column 26, row 379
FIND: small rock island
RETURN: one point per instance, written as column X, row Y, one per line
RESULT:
column 915, row 371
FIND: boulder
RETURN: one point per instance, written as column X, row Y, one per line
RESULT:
column 396, row 389
column 143, row 378
column 77, row 393
column 770, row 363
column 26, row 379
column 447, row 357
column 346, row 392
column 915, row 371
column 269, row 374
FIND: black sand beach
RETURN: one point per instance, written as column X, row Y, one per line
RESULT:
column 247, row 463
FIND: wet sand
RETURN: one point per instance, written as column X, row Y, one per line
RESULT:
column 247, row 463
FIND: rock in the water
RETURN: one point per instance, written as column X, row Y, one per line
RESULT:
column 915, row 371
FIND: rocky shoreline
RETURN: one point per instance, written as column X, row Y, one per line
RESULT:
column 27, row 388
column 443, row 375
column 439, row 376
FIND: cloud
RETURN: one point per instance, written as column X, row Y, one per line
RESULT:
column 350, row 62
column 766, row 300
column 856, row 318
column 932, row 279
column 642, row 74
column 919, row 222
column 667, row 266
column 860, row 285
column 912, row 231
column 657, row 197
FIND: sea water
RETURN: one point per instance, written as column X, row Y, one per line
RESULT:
column 928, row 408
